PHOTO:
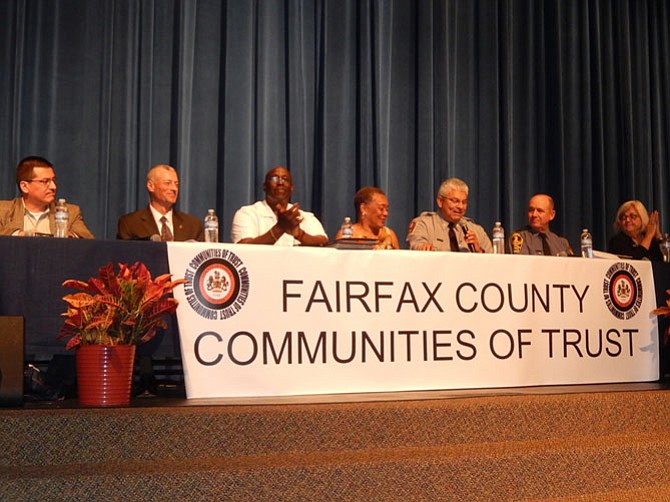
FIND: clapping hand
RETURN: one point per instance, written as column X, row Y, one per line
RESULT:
column 288, row 219
column 653, row 228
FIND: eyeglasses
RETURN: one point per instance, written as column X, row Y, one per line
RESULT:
column 455, row 201
column 631, row 217
column 275, row 179
column 44, row 182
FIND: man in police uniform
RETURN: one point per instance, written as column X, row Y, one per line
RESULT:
column 536, row 238
column 448, row 229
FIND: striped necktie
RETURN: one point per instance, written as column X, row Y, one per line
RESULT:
column 166, row 235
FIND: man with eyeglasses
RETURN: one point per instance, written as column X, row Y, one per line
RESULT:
column 536, row 238
column 160, row 221
column 448, row 229
column 275, row 220
column 32, row 213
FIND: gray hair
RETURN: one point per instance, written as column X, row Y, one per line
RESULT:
column 452, row 184
column 151, row 175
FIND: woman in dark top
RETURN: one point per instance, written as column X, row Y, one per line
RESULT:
column 638, row 233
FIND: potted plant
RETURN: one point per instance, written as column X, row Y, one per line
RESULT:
column 106, row 320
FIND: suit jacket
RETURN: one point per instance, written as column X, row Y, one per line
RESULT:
column 12, row 214
column 140, row 225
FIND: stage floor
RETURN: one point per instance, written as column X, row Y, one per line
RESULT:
column 151, row 400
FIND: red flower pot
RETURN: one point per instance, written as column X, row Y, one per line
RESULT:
column 105, row 374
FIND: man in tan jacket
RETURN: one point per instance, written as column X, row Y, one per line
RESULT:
column 33, row 212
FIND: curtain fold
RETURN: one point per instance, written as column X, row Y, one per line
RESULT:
column 567, row 97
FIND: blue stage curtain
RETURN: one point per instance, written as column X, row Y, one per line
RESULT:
column 515, row 97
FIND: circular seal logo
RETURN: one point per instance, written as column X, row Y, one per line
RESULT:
column 217, row 284
column 622, row 290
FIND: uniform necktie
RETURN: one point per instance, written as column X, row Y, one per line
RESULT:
column 453, row 241
column 166, row 235
column 545, row 245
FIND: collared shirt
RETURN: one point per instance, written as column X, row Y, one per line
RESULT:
column 431, row 227
column 35, row 223
column 256, row 219
column 157, row 218
column 529, row 241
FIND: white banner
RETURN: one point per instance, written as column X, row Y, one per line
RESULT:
column 266, row 321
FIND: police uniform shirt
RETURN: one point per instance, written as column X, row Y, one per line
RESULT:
column 528, row 241
column 430, row 226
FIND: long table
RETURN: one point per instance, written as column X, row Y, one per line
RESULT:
column 32, row 271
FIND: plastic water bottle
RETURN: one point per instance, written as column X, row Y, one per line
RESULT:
column 586, row 243
column 346, row 230
column 211, row 227
column 61, row 217
column 665, row 247
column 498, row 238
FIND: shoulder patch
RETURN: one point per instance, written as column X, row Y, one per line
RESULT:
column 516, row 242
column 411, row 226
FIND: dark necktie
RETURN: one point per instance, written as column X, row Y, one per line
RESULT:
column 545, row 245
column 166, row 235
column 453, row 241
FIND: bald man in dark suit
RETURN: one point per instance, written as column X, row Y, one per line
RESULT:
column 159, row 220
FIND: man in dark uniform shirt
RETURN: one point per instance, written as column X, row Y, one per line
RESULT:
column 536, row 238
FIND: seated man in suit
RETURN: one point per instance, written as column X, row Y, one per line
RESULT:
column 159, row 220
column 33, row 212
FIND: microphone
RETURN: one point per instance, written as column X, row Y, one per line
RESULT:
column 465, row 231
